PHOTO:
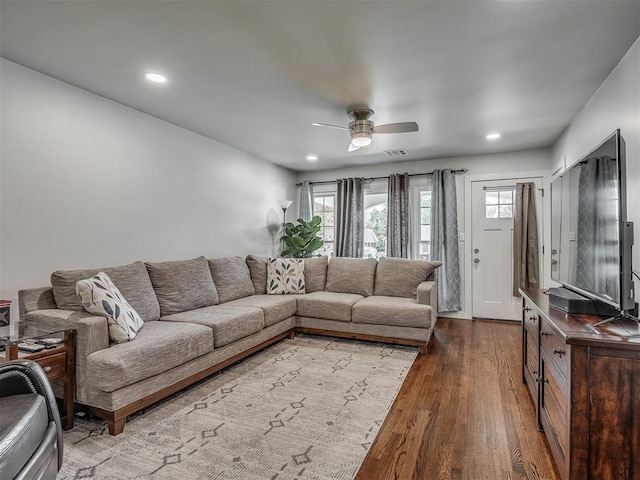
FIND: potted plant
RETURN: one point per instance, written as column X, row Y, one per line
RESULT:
column 301, row 240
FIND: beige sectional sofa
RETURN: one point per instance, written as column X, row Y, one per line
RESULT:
column 202, row 315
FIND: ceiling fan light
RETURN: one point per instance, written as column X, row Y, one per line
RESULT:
column 361, row 139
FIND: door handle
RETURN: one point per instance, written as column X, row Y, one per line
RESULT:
column 476, row 260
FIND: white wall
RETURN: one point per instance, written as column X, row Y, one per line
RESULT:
column 615, row 105
column 481, row 167
column 86, row 182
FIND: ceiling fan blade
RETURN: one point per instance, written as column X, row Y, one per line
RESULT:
column 329, row 125
column 353, row 148
column 396, row 127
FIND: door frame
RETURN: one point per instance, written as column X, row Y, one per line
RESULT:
column 466, row 245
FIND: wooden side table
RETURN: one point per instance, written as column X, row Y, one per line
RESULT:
column 58, row 363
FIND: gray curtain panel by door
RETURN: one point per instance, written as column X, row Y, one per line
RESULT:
column 444, row 238
column 349, row 218
column 306, row 201
column 525, row 239
column 398, row 216
column 597, row 259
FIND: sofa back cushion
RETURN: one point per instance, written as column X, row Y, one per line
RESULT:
column 182, row 285
column 258, row 270
column 351, row 275
column 131, row 280
column 400, row 277
column 315, row 273
column 231, row 277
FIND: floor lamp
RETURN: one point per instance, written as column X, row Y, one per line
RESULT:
column 284, row 204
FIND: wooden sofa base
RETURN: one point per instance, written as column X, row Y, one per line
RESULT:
column 422, row 345
column 116, row 419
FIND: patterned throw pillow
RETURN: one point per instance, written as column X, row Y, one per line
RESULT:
column 285, row 275
column 100, row 296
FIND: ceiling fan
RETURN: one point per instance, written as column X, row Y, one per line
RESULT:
column 362, row 129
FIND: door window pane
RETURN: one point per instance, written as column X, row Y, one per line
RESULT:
column 499, row 203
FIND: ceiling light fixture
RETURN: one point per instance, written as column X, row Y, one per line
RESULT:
column 155, row 77
column 361, row 139
column 312, row 158
column 493, row 136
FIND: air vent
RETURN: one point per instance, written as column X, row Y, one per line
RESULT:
column 395, row 153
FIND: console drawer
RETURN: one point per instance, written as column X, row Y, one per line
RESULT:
column 553, row 412
column 553, row 345
column 531, row 318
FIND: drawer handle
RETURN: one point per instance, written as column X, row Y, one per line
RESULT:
column 46, row 369
column 558, row 351
column 544, row 333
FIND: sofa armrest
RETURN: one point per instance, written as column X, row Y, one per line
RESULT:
column 92, row 335
column 32, row 299
column 427, row 294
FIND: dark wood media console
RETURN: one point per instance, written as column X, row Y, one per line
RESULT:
column 586, row 388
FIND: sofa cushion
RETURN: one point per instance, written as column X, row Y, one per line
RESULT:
column 275, row 307
column 24, row 420
column 132, row 280
column 182, row 285
column 285, row 276
column 400, row 277
column 231, row 277
column 258, row 269
column 327, row 305
column 158, row 347
column 351, row 275
column 101, row 297
column 228, row 322
column 315, row 273
column 396, row 311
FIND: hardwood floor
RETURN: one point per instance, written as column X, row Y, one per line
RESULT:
column 463, row 412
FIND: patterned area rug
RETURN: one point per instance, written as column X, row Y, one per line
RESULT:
column 307, row 408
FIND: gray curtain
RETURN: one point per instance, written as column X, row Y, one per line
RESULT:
column 597, row 260
column 306, row 201
column 349, row 218
column 444, row 238
column 526, row 261
column 398, row 216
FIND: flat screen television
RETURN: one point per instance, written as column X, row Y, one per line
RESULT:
column 591, row 239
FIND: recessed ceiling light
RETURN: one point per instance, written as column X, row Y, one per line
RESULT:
column 155, row 77
column 493, row 136
column 312, row 158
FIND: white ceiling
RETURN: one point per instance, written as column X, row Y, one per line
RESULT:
column 256, row 74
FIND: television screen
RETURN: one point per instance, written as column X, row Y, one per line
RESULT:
column 587, row 226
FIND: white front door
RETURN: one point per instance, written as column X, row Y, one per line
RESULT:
column 492, row 210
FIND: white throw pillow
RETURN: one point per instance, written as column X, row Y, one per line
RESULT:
column 285, row 275
column 100, row 296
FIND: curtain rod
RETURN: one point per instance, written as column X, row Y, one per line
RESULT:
column 329, row 182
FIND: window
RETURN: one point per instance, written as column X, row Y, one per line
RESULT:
column 425, row 224
column 375, row 230
column 499, row 203
column 324, row 207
